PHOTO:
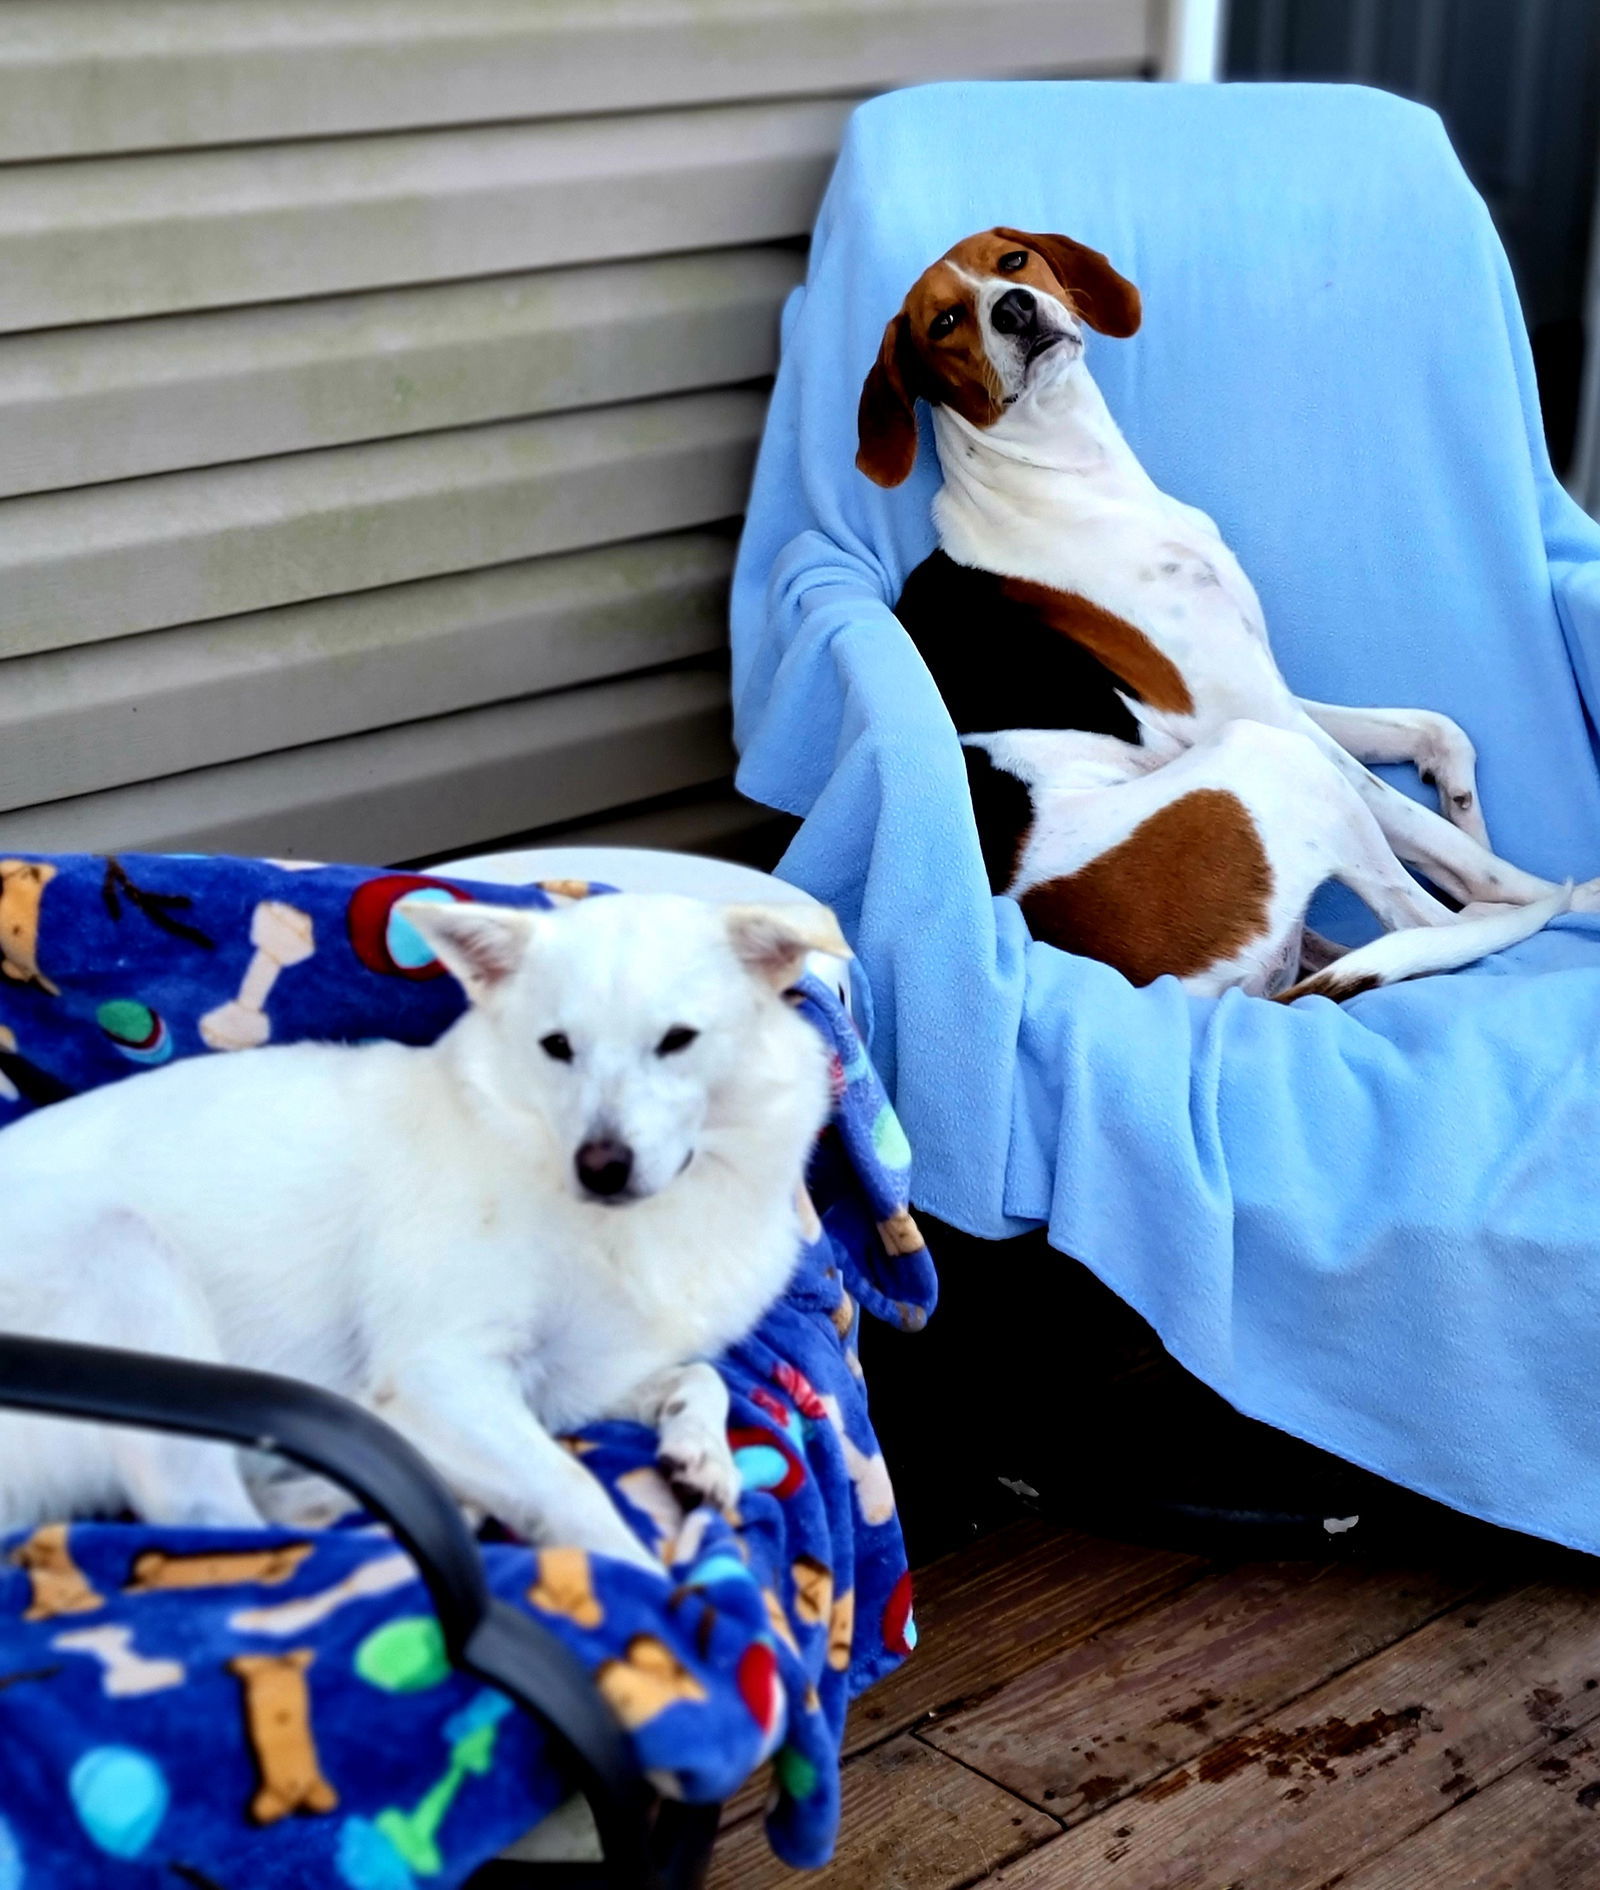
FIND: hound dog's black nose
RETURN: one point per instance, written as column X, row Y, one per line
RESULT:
column 1014, row 313
column 604, row 1167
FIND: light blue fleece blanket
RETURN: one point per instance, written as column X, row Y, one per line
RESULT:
column 1376, row 1226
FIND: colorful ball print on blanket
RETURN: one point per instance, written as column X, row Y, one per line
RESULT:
column 761, row 1689
column 899, row 1624
column 766, row 1460
column 404, row 1656
column 385, row 940
column 120, row 1796
column 139, row 1033
column 889, row 1140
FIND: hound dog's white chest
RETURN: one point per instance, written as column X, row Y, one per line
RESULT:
column 1153, row 563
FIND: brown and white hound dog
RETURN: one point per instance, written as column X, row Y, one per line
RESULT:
column 1146, row 785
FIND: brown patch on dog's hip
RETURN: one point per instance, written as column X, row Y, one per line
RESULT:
column 1189, row 888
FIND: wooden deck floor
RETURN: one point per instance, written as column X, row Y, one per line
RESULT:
column 1082, row 1715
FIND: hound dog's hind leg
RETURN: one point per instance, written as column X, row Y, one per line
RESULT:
column 1202, row 868
column 1317, row 952
column 1312, row 826
column 1457, row 863
column 1435, row 746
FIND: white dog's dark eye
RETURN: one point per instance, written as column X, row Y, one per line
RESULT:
column 678, row 1038
column 557, row 1045
column 943, row 322
column 1014, row 260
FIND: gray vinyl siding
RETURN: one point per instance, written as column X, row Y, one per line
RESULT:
column 379, row 388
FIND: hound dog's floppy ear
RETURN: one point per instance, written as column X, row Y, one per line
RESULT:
column 1106, row 301
column 886, row 420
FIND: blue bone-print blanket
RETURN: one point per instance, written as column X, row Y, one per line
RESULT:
column 238, row 1712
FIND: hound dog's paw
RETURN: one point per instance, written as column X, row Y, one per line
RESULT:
column 696, row 1461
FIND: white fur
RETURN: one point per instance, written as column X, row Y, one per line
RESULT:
column 1052, row 492
column 405, row 1225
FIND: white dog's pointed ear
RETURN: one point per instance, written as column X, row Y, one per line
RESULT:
column 480, row 946
column 773, row 940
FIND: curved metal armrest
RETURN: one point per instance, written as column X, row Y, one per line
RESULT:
column 338, row 1439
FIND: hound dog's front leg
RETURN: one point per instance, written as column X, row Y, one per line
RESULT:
column 1434, row 745
column 469, row 1418
column 687, row 1405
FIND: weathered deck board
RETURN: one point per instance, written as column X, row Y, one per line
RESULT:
column 992, row 1611
column 1354, row 1768
column 913, row 1820
column 998, row 1609
column 1538, row 1828
column 1091, row 1725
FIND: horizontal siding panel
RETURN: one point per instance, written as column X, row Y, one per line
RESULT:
column 80, row 77
column 109, row 561
column 76, row 721
column 108, row 238
column 718, row 821
column 379, row 379
column 82, row 406
column 426, row 789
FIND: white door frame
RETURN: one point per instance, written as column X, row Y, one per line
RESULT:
column 1192, row 41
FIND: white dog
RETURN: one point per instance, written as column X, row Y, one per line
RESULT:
column 585, row 1188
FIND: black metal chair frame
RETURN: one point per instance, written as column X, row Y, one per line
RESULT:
column 647, row 1843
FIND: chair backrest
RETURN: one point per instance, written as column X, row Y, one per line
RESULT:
column 1332, row 363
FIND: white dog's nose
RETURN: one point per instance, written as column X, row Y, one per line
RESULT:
column 604, row 1167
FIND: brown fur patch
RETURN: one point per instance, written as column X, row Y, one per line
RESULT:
column 955, row 370
column 1187, row 889
column 1124, row 648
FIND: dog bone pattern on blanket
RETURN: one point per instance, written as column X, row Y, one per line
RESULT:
column 252, row 1711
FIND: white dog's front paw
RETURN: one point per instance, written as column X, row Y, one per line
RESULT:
column 698, row 1464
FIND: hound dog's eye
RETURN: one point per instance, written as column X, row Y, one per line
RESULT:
column 558, row 1045
column 678, row 1038
column 942, row 323
column 1014, row 260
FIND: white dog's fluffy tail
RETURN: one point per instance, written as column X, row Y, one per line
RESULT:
column 1424, row 948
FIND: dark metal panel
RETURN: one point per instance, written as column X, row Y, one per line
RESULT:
column 1517, row 83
